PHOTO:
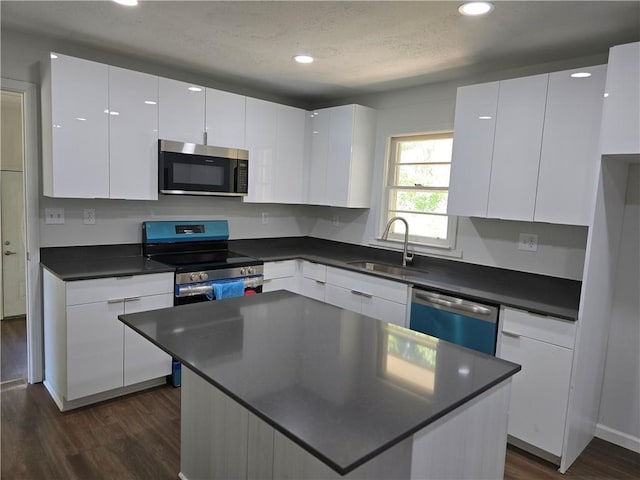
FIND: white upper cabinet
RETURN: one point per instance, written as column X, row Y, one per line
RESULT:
column 225, row 119
column 275, row 140
column 181, row 112
column 75, row 126
column 516, row 149
column 133, row 135
column 570, row 147
column 474, row 129
column 342, row 147
column 621, row 113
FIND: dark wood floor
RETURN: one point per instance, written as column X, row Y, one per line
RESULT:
column 138, row 437
column 13, row 349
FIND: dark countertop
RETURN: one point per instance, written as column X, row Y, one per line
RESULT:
column 540, row 294
column 333, row 381
column 100, row 261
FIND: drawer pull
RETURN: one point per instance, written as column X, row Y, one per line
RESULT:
column 321, row 282
column 360, row 294
column 116, row 300
column 510, row 334
column 132, row 299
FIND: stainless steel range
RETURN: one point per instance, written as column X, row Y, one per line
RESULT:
column 205, row 268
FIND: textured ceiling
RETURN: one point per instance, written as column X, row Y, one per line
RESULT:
column 360, row 47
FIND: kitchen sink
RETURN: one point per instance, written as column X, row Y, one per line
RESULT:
column 397, row 270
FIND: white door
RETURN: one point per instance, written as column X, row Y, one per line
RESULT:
column 11, row 186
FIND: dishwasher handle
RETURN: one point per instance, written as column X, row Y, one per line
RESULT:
column 456, row 305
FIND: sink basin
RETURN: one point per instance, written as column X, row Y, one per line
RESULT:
column 397, row 270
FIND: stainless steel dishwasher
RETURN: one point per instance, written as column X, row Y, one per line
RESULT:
column 456, row 320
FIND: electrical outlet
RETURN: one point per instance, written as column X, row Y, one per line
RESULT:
column 265, row 218
column 528, row 242
column 89, row 216
column 54, row 216
column 336, row 221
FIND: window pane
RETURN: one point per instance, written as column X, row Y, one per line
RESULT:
column 426, row 175
column 437, row 150
column 434, row 226
column 419, row 201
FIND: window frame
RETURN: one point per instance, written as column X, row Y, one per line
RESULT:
column 389, row 176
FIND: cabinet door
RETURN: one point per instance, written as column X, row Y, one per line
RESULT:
column 343, row 298
column 283, row 283
column 261, row 143
column 142, row 359
column 225, row 119
column 133, row 135
column 181, row 111
column 384, row 310
column 474, row 129
column 539, row 392
column 94, row 348
column 621, row 112
column 339, row 155
column 288, row 165
column 362, row 157
column 570, row 147
column 80, row 128
column 313, row 289
column 316, row 192
column 516, row 151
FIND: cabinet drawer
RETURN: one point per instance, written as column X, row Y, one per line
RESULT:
column 280, row 269
column 385, row 310
column 315, row 271
column 286, row 283
column 539, row 327
column 117, row 288
column 369, row 285
column 313, row 289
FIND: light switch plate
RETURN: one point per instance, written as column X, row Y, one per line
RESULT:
column 528, row 242
column 54, row 216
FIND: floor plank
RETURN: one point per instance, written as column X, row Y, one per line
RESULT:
column 138, row 437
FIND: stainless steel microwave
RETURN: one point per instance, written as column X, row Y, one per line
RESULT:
column 191, row 169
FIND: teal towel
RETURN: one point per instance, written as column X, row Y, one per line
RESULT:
column 231, row 289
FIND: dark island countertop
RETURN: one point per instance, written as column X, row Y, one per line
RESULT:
column 343, row 386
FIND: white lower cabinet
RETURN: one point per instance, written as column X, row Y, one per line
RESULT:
column 375, row 297
column 540, row 391
column 88, row 351
column 314, row 280
column 281, row 275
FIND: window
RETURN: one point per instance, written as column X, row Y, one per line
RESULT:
column 417, row 189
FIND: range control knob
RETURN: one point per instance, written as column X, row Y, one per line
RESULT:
column 243, row 271
column 251, row 270
column 204, row 275
column 195, row 277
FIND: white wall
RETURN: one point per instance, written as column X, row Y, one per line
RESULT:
column 620, row 403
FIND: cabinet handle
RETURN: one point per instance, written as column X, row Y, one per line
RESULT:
column 510, row 334
column 116, row 300
column 321, row 282
column 360, row 294
column 132, row 299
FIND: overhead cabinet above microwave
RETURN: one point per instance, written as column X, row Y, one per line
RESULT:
column 527, row 148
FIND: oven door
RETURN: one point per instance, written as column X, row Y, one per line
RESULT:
column 204, row 292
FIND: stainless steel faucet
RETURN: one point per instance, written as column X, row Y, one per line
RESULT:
column 407, row 257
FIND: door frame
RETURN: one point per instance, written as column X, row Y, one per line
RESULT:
column 35, row 346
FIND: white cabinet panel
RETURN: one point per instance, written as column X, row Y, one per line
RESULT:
column 341, row 132
column 517, row 145
column 280, row 269
column 288, row 178
column 114, row 288
column 225, row 119
column 368, row 284
column 621, row 112
column 133, row 135
column 142, row 359
column 290, row 284
column 76, row 142
column 569, row 156
column 474, row 129
column 313, row 289
column 541, row 327
column 343, row 298
column 261, row 143
column 385, row 310
column 316, row 271
column 181, row 111
column 539, row 392
column 94, row 348
column 319, row 156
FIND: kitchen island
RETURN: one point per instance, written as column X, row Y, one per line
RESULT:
column 282, row 386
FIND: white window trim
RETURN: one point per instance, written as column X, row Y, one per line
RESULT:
column 395, row 241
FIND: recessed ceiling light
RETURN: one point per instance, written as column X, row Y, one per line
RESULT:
column 484, row 117
column 581, row 75
column 606, row 94
column 303, row 58
column 82, row 119
column 128, row 3
column 53, row 55
column 475, row 8
column 150, row 102
column 195, row 89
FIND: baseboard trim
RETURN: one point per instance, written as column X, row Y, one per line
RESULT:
column 617, row 437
